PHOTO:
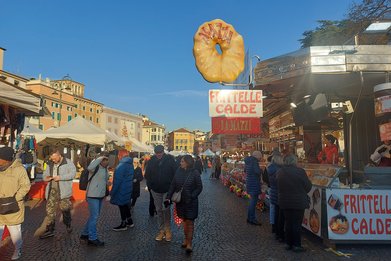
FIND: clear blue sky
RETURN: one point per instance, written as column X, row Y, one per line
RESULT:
column 137, row 56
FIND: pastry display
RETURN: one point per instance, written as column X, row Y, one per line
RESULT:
column 339, row 224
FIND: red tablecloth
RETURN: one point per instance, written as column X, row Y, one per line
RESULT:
column 37, row 191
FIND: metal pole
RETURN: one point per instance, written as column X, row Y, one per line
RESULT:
column 351, row 131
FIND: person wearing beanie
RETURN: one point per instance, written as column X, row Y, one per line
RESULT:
column 14, row 182
column 329, row 154
column 159, row 174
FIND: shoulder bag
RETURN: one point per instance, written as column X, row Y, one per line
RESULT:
column 176, row 197
column 8, row 205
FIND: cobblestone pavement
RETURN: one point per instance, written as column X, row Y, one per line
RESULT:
column 221, row 233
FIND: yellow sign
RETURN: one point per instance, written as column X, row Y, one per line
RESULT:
column 212, row 65
column 128, row 145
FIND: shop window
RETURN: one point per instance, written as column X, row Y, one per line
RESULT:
column 58, row 116
column 69, row 117
column 53, row 113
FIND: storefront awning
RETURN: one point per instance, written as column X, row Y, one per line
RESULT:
column 20, row 99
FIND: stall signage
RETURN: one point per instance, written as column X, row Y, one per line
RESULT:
column 358, row 214
column 222, row 125
column 385, row 131
column 235, row 103
column 313, row 214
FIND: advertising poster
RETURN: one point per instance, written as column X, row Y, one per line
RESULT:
column 359, row 214
column 235, row 103
column 385, row 131
column 312, row 216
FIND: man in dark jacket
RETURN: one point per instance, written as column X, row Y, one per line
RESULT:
column 253, row 184
column 159, row 174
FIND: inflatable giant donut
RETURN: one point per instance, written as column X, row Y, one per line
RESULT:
column 215, row 67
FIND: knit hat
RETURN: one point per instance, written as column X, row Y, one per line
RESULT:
column 159, row 149
column 7, row 153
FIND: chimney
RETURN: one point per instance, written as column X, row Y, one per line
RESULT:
column 1, row 57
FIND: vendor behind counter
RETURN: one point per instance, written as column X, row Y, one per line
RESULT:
column 382, row 155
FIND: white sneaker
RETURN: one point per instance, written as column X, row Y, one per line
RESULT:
column 17, row 254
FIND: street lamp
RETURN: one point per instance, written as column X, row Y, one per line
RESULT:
column 64, row 85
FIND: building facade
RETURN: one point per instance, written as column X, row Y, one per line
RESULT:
column 181, row 140
column 153, row 133
column 121, row 123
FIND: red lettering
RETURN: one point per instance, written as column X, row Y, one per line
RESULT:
column 388, row 208
column 382, row 210
column 371, row 231
column 252, row 109
column 354, row 229
column 379, row 226
column 353, row 204
column 364, row 226
column 376, row 204
column 362, row 200
column 219, row 108
column 388, row 226
column 258, row 96
column 346, row 202
column 370, row 198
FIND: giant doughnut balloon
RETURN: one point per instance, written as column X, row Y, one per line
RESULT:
column 212, row 65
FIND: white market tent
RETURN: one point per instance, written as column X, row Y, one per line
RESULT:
column 29, row 129
column 136, row 145
column 208, row 153
column 78, row 129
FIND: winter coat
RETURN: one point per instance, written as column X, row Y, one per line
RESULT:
column 330, row 153
column 14, row 180
column 121, row 191
column 98, row 184
column 66, row 171
column 160, row 172
column 138, row 176
column 188, row 207
column 272, row 172
column 253, row 173
column 293, row 186
column 198, row 166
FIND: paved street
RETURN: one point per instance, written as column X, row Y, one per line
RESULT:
column 221, row 234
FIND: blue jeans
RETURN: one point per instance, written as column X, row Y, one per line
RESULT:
column 251, row 208
column 94, row 207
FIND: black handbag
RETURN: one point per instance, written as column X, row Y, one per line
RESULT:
column 8, row 205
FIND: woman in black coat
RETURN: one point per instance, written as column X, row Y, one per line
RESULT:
column 189, row 179
column 137, row 178
column 293, row 186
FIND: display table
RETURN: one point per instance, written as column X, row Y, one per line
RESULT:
column 37, row 191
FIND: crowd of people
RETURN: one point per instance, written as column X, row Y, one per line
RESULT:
column 289, row 186
column 162, row 174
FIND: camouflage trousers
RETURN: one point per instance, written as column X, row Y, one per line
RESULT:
column 55, row 201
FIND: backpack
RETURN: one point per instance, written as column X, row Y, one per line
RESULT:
column 84, row 180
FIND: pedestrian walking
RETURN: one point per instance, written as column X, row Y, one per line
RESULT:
column 96, row 191
column 159, row 174
column 188, row 179
column 217, row 167
column 293, row 186
column 198, row 165
column 278, row 218
column 253, row 184
column 14, row 184
column 59, row 174
column 138, row 177
column 121, row 191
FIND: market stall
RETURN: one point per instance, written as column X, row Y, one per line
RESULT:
column 15, row 104
column 79, row 141
column 325, row 91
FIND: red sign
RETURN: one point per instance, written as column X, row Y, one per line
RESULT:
column 385, row 131
column 222, row 125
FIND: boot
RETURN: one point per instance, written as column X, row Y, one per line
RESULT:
column 185, row 231
column 168, row 235
column 190, row 231
column 49, row 231
column 67, row 219
column 160, row 235
column 121, row 227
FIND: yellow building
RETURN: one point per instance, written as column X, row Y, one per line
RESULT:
column 181, row 140
column 64, row 99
